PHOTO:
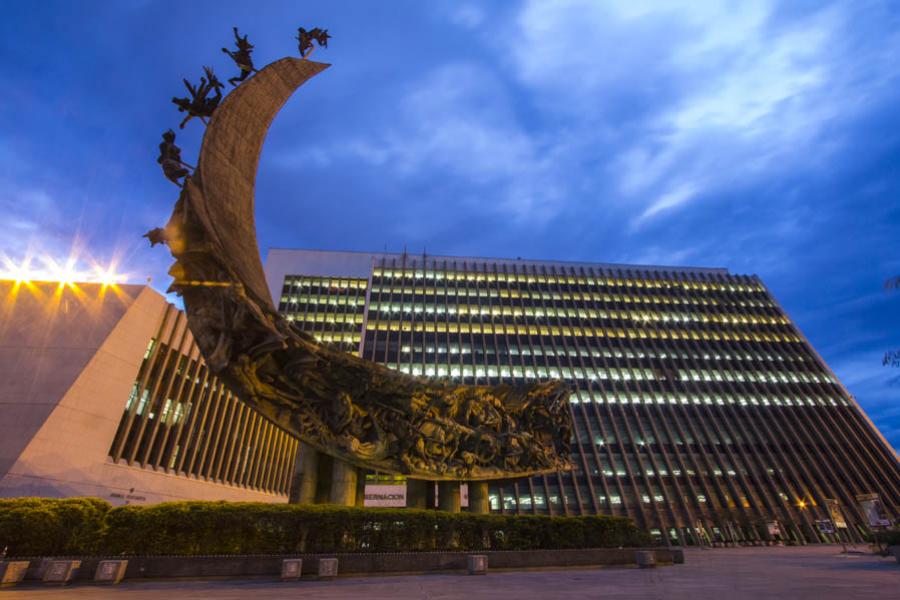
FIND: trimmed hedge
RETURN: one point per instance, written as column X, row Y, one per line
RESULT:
column 42, row 526
column 192, row 528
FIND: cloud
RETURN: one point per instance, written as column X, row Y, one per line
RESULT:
column 695, row 98
column 32, row 219
column 671, row 199
column 469, row 16
column 458, row 124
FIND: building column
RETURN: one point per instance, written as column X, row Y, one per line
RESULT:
column 430, row 495
column 417, row 493
column 478, row 498
column 307, row 473
column 343, row 483
column 448, row 496
column 360, row 488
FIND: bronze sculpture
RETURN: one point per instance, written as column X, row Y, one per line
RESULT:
column 241, row 57
column 155, row 236
column 170, row 159
column 199, row 104
column 306, row 38
column 355, row 410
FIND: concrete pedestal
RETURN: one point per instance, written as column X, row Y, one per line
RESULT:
column 328, row 568
column 343, row 483
column 478, row 498
column 12, row 572
column 448, row 496
column 291, row 569
column 477, row 564
column 110, row 571
column 61, row 572
column 645, row 559
column 417, row 493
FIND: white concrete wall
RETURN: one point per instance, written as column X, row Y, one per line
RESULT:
column 74, row 396
column 48, row 334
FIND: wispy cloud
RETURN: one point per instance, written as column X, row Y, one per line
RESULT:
column 458, row 124
column 32, row 219
column 467, row 15
column 670, row 199
column 713, row 95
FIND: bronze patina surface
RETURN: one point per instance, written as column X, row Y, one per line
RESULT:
column 353, row 409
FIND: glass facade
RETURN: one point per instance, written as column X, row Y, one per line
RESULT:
column 332, row 309
column 701, row 411
column 179, row 418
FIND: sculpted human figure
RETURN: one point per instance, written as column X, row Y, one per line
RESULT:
column 200, row 104
column 170, row 158
column 306, row 38
column 215, row 86
column 241, row 57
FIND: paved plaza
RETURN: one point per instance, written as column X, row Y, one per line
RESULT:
column 813, row 572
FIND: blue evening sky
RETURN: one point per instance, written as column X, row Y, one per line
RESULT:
column 759, row 136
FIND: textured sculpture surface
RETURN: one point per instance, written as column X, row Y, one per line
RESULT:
column 352, row 409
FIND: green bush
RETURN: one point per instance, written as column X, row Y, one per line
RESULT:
column 191, row 528
column 51, row 526
column 886, row 538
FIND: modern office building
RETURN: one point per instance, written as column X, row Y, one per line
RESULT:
column 701, row 410
column 103, row 393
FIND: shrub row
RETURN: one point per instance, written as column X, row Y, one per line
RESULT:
column 33, row 526
column 41, row 526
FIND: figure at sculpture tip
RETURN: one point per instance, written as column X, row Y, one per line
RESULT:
column 170, row 158
column 157, row 235
column 306, row 39
column 241, row 57
column 199, row 104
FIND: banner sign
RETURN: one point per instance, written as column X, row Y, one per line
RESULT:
column 874, row 510
column 837, row 516
column 393, row 495
column 388, row 496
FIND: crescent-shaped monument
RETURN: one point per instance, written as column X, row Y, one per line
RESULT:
column 346, row 407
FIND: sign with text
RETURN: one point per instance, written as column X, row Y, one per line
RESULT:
column 386, row 496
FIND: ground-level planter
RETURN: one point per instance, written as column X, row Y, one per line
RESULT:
column 357, row 563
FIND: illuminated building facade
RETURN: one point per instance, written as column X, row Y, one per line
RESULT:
column 105, row 394
column 701, row 410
